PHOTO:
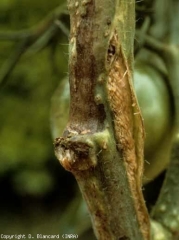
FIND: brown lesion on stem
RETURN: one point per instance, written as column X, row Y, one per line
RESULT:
column 76, row 153
column 83, row 72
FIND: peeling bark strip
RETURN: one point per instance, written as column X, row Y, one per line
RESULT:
column 122, row 100
column 102, row 144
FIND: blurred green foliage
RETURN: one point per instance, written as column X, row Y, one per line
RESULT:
column 17, row 14
column 26, row 144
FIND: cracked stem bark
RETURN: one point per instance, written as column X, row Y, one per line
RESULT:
column 102, row 144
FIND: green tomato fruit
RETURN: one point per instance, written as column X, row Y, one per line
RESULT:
column 155, row 103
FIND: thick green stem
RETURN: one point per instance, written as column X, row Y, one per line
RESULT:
column 102, row 144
